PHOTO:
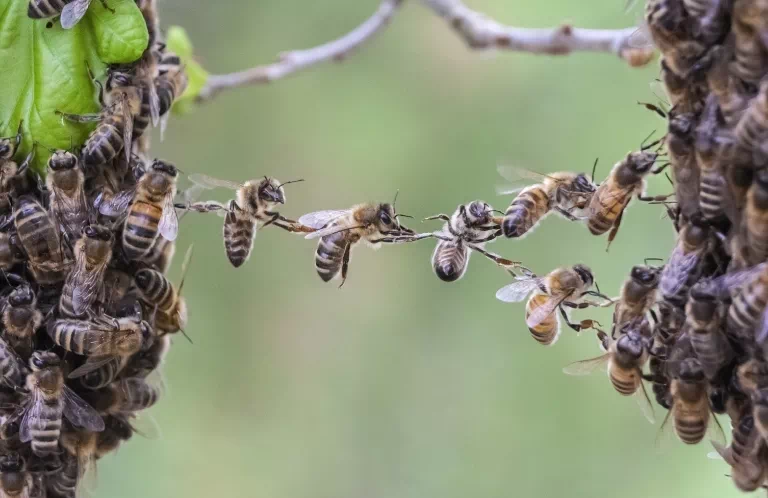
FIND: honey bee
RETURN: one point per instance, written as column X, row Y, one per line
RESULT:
column 626, row 179
column 152, row 212
column 712, row 185
column 49, row 399
column 148, row 360
column 339, row 231
column 71, row 10
column 118, row 290
column 690, row 410
column 121, row 101
column 684, row 265
column 116, row 431
column 749, row 54
column 148, row 9
column 14, row 479
column 685, row 167
column 21, row 318
column 705, row 316
column 128, row 396
column 625, row 358
column 254, row 208
column 561, row 287
column 564, row 193
column 756, row 217
column 170, row 83
column 753, row 124
column 470, row 227
column 669, row 27
column 745, row 455
column 638, row 294
column 92, row 255
column 168, row 307
column 657, row 373
column 65, row 181
column 747, row 320
column 64, row 483
column 81, row 448
column 40, row 240
column 730, row 97
column 686, row 96
column 12, row 370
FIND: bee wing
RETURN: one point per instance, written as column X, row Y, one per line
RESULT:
column 644, row 402
column 615, row 194
column 73, row 12
column 32, row 412
column 93, row 363
column 85, row 291
column 169, row 221
column 329, row 231
column 715, row 432
column 210, row 182
column 542, row 312
column 118, row 204
column 677, row 270
column 519, row 177
column 154, row 103
column 319, row 219
column 127, row 128
column 721, row 286
column 80, row 413
column 518, row 290
column 586, row 367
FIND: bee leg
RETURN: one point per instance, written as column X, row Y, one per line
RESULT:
column 566, row 214
column 654, row 198
column 503, row 262
column 614, row 229
column 489, row 238
column 79, row 118
column 584, row 324
column 345, row 265
column 104, row 3
column 443, row 217
column 292, row 226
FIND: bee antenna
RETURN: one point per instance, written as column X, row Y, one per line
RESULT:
column 292, row 181
column 669, row 178
column 403, row 216
column 644, row 146
column 652, row 259
column 185, row 335
column 394, row 202
column 594, row 168
column 496, row 211
column 46, row 147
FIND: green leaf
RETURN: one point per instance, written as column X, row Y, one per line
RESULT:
column 178, row 41
column 44, row 70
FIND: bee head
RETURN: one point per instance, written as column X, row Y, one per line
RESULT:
column 696, row 232
column 62, row 160
column 21, row 296
column 143, row 279
column 40, row 360
column 641, row 162
column 645, row 275
column 147, row 335
column 690, row 370
column 7, row 149
column 271, row 191
column 386, row 217
column 11, row 462
column 631, row 344
column 478, row 211
column 582, row 183
column 585, row 274
column 118, row 76
column 98, row 232
column 164, row 167
column 681, row 124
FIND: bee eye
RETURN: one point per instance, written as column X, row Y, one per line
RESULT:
column 38, row 361
column 385, row 218
column 89, row 232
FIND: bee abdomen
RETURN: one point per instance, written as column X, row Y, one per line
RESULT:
column 137, row 395
column 104, row 375
column 46, row 429
column 711, row 194
column 450, row 260
column 603, row 218
column 624, row 386
column 156, row 289
column 745, row 309
column 546, row 332
column 329, row 256
column 238, row 237
column 104, row 143
column 166, row 93
column 690, row 430
column 140, row 229
column 64, row 483
column 40, row 9
column 712, row 352
column 525, row 212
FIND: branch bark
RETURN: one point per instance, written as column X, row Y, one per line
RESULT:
column 476, row 29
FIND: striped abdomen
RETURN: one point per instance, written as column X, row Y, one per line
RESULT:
column 40, row 9
column 169, row 86
column 660, row 381
column 39, row 237
column 711, row 191
column 143, row 118
column 624, row 381
column 750, row 128
column 135, row 395
column 239, row 232
column 450, row 260
column 691, row 421
column 105, row 142
column 747, row 306
column 525, row 211
column 64, row 482
column 548, row 330
column 156, row 290
column 77, row 336
column 161, row 254
column 748, row 58
column 330, row 254
column 712, row 349
column 104, row 375
column 606, row 205
column 46, row 428
column 756, row 221
column 10, row 368
column 141, row 229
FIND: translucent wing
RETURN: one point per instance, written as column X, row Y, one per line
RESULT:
column 545, row 310
column 641, row 37
column 644, row 401
column 85, row 292
column 80, row 413
column 722, row 286
column 32, row 412
column 319, row 219
column 516, row 173
column 117, row 205
column 154, row 102
column 169, row 221
column 518, row 290
column 586, row 367
column 127, row 128
column 677, row 271
column 715, row 431
column 330, row 231
column 73, row 12
column 210, row 182
column 93, row 363
column 65, row 204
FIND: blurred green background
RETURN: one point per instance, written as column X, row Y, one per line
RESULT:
column 399, row 385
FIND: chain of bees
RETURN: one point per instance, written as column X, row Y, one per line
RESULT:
column 88, row 314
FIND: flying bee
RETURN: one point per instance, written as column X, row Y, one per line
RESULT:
column 71, row 10
column 625, row 358
column 101, row 339
column 684, row 265
column 49, row 399
column 65, row 181
column 152, row 212
column 690, row 410
column 92, row 255
column 626, row 179
column 712, row 187
column 705, row 316
column 638, row 294
column 39, row 238
column 745, row 455
column 121, row 101
column 168, row 307
column 756, row 217
column 170, row 84
column 255, row 207
column 470, row 227
column 567, row 194
column 561, row 287
column 21, row 319
column 339, row 231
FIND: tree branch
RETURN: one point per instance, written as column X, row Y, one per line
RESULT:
column 482, row 32
column 297, row 60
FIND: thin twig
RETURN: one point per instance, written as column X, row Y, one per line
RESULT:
column 297, row 60
column 482, row 32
